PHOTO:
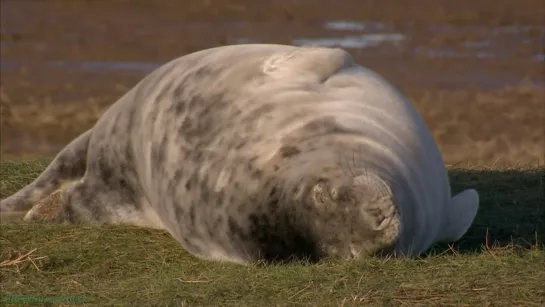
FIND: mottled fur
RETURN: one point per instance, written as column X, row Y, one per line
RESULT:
column 256, row 152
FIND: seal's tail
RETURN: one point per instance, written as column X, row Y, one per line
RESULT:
column 68, row 165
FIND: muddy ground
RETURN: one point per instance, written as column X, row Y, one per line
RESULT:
column 474, row 69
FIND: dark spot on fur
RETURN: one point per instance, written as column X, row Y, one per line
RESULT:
column 257, row 174
column 85, row 195
column 179, row 212
column 289, row 151
column 115, row 126
column 273, row 200
column 242, row 207
column 220, row 198
column 205, row 197
column 153, row 114
column 192, row 215
column 235, row 229
column 129, row 155
column 179, row 107
column 158, row 152
column 106, row 172
column 130, row 118
column 318, row 128
column 166, row 90
column 211, row 231
column 273, row 192
column 272, row 206
column 282, row 239
column 202, row 72
column 192, row 181
column 206, row 111
column 122, row 184
column 179, row 104
column 178, row 174
column 69, row 166
column 239, row 145
column 190, row 246
column 217, row 223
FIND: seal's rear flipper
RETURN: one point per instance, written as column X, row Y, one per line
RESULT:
column 69, row 165
column 459, row 215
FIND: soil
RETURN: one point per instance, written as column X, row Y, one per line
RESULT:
column 474, row 69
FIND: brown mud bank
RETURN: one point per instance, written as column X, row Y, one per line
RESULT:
column 474, row 69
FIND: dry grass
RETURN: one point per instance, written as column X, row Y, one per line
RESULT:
column 484, row 127
column 499, row 262
column 504, row 126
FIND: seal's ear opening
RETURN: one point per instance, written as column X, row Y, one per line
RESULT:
column 459, row 215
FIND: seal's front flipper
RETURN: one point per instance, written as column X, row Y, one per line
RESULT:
column 459, row 215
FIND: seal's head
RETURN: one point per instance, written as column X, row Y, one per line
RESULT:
column 353, row 217
column 362, row 216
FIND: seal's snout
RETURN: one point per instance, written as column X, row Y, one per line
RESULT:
column 325, row 198
column 376, row 201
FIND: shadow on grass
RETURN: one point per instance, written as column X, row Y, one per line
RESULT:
column 511, row 212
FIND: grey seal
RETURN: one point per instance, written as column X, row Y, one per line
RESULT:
column 259, row 152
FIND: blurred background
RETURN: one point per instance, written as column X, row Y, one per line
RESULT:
column 474, row 69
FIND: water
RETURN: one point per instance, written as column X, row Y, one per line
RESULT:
column 107, row 66
column 92, row 66
column 539, row 57
column 490, row 43
column 348, row 25
column 351, row 42
column 372, row 38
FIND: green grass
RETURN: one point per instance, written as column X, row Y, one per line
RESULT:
column 500, row 261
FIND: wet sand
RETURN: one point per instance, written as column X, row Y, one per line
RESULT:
column 474, row 69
